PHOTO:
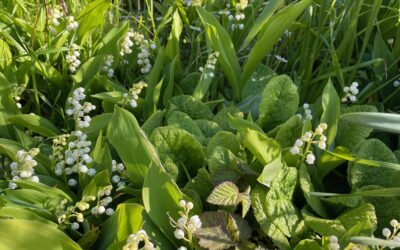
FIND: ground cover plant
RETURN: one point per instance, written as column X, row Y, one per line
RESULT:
column 199, row 124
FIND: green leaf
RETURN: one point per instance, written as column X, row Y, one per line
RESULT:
column 88, row 69
column 26, row 234
column 161, row 196
column 348, row 134
column 308, row 245
column 271, row 33
column 222, row 117
column 18, row 213
column 5, row 55
column 331, row 107
column 154, row 121
column 98, row 182
column 221, row 42
column 289, row 131
column 179, row 151
column 208, row 128
column 221, row 230
column 225, row 194
column 36, row 124
column 381, row 121
column 279, row 102
column 369, row 241
column 192, row 107
column 109, row 43
column 131, row 144
column 307, row 187
column 128, row 219
column 262, row 20
column 181, row 120
column 7, row 107
column 91, row 17
column 360, row 175
column 201, row 184
column 227, row 140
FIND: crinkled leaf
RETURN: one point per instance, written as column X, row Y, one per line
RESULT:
column 222, row 117
column 192, row 107
column 225, row 194
column 181, row 120
column 289, row 132
column 208, row 128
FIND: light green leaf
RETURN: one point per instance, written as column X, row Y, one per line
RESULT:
column 131, row 144
column 192, row 107
column 181, row 120
column 331, row 107
column 381, row 121
column 36, row 124
column 279, row 102
column 225, row 194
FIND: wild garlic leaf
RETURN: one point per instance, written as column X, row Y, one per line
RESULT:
column 362, row 175
column 178, row 150
column 192, row 107
column 279, row 102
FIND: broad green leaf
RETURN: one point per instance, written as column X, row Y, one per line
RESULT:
column 26, row 234
column 161, row 198
column 36, row 124
column 179, row 151
column 370, row 241
column 271, row 33
column 221, row 158
column 154, row 121
column 91, row 17
column 308, row 245
column 7, row 107
column 208, row 128
column 98, row 182
column 128, row 219
column 131, row 144
column 222, row 117
column 279, row 102
column 381, row 121
column 227, row 140
column 289, row 131
column 109, row 43
column 348, row 134
column 225, row 194
column 331, row 107
column 360, row 175
column 221, row 42
column 192, row 107
column 307, row 187
column 181, row 120
column 5, row 55
column 201, row 183
column 99, row 123
column 53, row 192
column 18, row 213
column 88, row 69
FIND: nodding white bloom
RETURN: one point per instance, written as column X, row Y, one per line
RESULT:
column 75, row 225
column 386, row 232
column 242, row 5
column 102, row 203
column 73, row 58
column 310, row 158
column 78, row 110
column 126, row 46
column 307, row 136
column 295, row 150
column 208, row 70
column 109, row 59
column 55, row 15
column 71, row 23
column 72, row 182
column 133, row 241
column 182, row 248
column 16, row 94
column 396, row 83
column 133, row 94
column 394, row 223
column 109, row 211
column 334, row 243
column 23, row 167
column 281, row 59
column 185, row 225
column 350, row 93
column 307, row 112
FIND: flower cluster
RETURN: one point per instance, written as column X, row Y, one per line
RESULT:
column 73, row 58
column 126, row 46
column 59, row 144
column 208, row 71
column 281, row 59
column 307, row 113
column 185, row 226
column 133, row 241
column 242, row 5
column 237, row 20
column 67, row 214
column 79, row 111
column 144, row 54
column 302, row 146
column 56, row 14
column 118, row 173
column 333, row 243
column 23, row 167
column 392, row 236
column 350, row 92
column 133, row 94
column 71, row 23
column 108, row 65
column 16, row 94
column 103, row 200
column 75, row 158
